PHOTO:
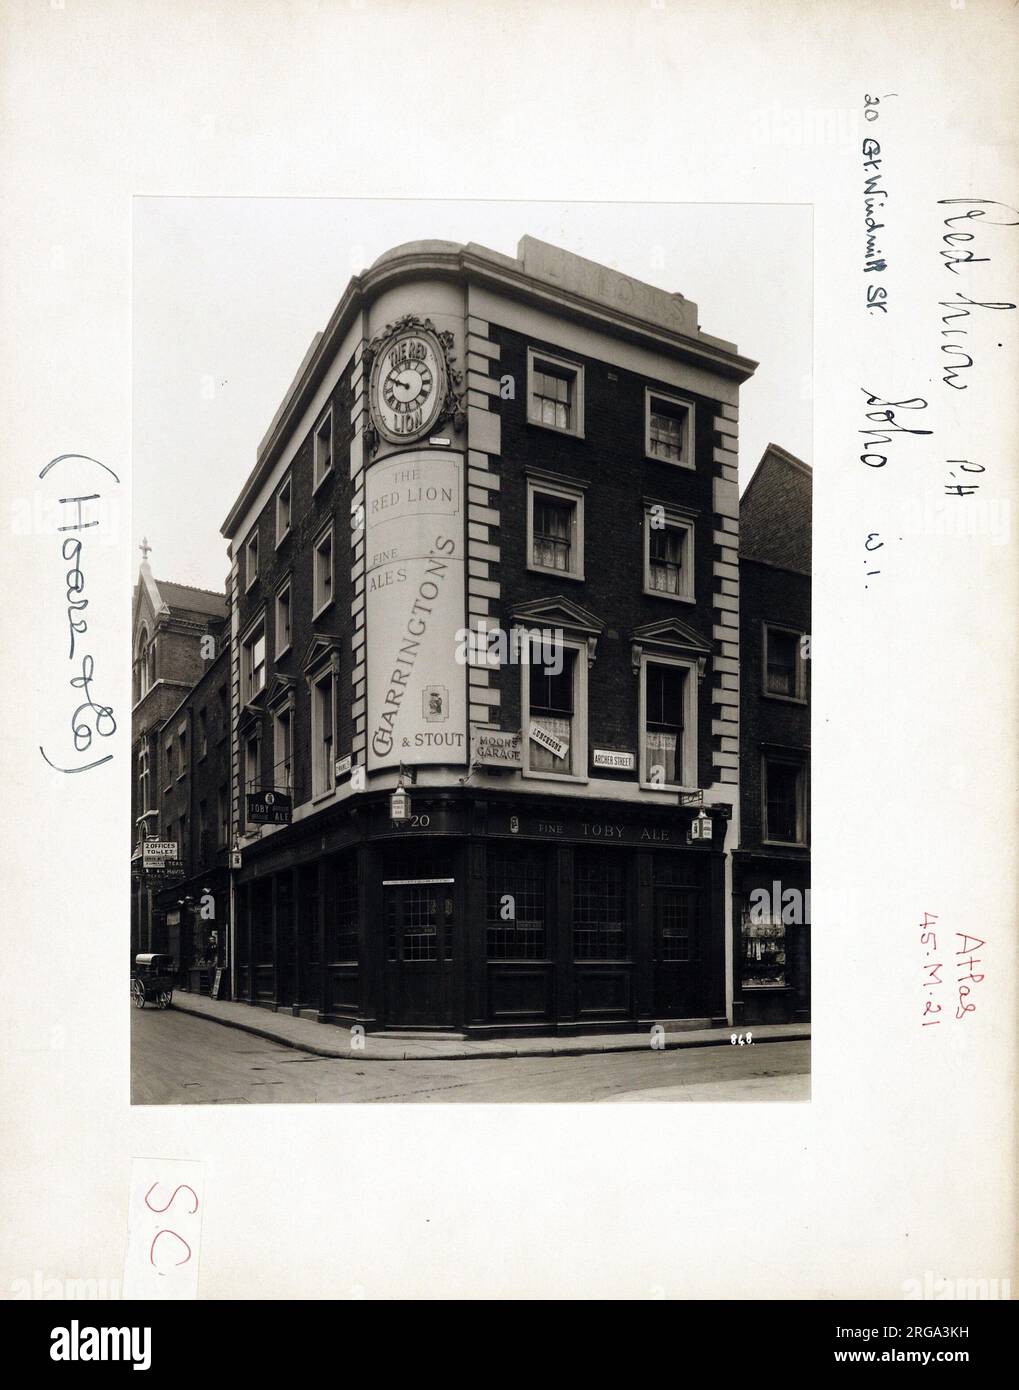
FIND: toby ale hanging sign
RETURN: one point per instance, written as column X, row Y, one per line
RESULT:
column 269, row 808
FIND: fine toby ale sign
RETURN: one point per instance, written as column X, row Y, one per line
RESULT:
column 269, row 808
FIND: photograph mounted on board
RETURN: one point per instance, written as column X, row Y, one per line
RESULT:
column 471, row 725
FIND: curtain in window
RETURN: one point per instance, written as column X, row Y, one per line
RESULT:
column 663, row 716
column 552, row 399
column 552, row 533
column 667, row 434
column 666, row 554
column 551, row 700
column 781, row 663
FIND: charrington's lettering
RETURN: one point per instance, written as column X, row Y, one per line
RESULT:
column 415, row 629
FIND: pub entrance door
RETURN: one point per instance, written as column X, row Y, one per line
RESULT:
column 419, row 952
column 679, row 954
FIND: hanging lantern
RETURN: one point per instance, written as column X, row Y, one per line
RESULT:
column 399, row 806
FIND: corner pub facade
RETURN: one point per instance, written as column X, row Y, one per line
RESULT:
column 477, row 452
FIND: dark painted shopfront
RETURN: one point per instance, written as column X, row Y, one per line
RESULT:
column 492, row 915
column 771, row 928
column 191, row 918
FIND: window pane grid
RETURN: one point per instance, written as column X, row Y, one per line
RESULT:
column 282, row 769
column 256, row 664
column 552, row 398
column 676, row 936
column 323, row 450
column 419, row 938
column 667, row 431
column 252, row 772
column 522, row 879
column 781, row 663
column 323, row 571
column 782, row 801
column 551, row 709
column 283, row 620
column 325, row 697
column 599, row 909
column 345, row 921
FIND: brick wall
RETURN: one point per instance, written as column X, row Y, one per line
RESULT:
column 310, row 513
column 776, row 596
column 178, row 654
column 212, row 772
column 611, row 459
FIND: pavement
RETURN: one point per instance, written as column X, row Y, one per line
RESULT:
column 335, row 1042
column 179, row 1058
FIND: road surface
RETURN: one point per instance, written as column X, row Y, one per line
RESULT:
column 178, row 1059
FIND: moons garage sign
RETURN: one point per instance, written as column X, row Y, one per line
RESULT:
column 414, row 600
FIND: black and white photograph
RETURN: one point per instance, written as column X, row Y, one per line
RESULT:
column 492, row 748
column 512, row 667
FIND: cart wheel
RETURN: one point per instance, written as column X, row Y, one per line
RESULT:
column 138, row 994
column 164, row 997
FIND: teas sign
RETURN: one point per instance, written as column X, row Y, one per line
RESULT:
column 414, row 602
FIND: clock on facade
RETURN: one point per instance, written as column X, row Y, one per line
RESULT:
column 408, row 385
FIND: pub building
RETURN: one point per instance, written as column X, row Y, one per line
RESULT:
column 180, row 877
column 771, row 867
column 484, row 605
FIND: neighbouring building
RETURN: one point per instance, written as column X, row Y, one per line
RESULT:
column 181, row 783
column 485, row 652
column 771, row 868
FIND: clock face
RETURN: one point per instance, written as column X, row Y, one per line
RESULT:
column 408, row 386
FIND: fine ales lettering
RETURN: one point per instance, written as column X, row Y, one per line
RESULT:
column 980, row 212
column 961, row 971
column 415, row 630
column 90, row 719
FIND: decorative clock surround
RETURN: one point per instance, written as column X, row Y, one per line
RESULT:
column 414, row 384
